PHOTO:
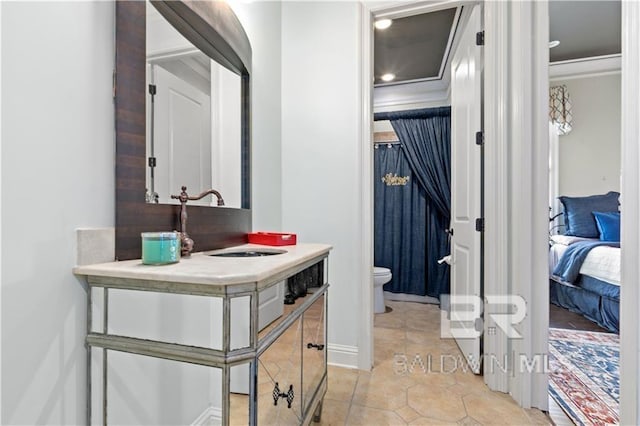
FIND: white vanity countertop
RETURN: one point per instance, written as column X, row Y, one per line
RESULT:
column 203, row 269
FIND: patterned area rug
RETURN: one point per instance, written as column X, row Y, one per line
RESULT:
column 584, row 376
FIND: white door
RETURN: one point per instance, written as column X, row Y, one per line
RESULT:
column 182, row 137
column 466, row 104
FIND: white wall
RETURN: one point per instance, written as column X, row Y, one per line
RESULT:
column 57, row 150
column 261, row 21
column 162, row 38
column 321, row 160
column 590, row 153
column 58, row 175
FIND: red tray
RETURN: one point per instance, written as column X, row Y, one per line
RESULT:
column 272, row 238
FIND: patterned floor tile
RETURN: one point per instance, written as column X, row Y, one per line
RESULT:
column 400, row 390
column 365, row 416
column 334, row 413
column 341, row 384
column 490, row 408
column 436, row 402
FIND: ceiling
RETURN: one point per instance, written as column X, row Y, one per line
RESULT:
column 584, row 28
column 416, row 48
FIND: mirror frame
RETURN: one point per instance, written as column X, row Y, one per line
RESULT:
column 214, row 29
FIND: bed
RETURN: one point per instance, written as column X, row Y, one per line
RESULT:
column 595, row 291
column 584, row 264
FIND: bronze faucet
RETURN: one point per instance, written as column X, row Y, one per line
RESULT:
column 186, row 243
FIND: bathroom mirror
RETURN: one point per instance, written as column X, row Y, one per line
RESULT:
column 193, row 109
column 214, row 29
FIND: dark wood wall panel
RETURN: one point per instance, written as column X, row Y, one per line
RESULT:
column 209, row 227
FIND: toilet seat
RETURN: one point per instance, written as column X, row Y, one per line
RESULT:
column 381, row 276
column 378, row 271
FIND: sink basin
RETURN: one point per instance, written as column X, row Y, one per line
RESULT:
column 248, row 253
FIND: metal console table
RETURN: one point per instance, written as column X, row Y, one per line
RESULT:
column 289, row 393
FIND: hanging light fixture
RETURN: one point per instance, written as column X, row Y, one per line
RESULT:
column 560, row 108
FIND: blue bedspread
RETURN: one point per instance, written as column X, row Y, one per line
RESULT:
column 568, row 268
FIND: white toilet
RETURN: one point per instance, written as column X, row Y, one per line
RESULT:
column 381, row 276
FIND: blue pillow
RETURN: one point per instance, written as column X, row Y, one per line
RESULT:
column 608, row 225
column 578, row 219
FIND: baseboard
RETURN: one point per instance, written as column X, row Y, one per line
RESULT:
column 402, row 297
column 342, row 356
column 209, row 417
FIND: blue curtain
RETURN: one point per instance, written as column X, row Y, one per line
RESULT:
column 400, row 221
column 426, row 141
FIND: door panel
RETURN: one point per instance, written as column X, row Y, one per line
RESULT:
column 466, row 104
column 182, row 137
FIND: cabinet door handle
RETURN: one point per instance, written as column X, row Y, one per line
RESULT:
column 289, row 395
column 311, row 345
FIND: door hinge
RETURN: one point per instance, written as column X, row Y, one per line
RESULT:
column 480, row 224
column 113, row 83
column 480, row 38
column 479, row 138
column 152, row 161
column 152, row 89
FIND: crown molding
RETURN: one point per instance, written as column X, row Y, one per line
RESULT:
column 585, row 67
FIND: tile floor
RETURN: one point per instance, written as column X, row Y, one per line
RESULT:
column 391, row 394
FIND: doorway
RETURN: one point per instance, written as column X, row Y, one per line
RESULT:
column 585, row 167
column 461, row 67
column 515, row 237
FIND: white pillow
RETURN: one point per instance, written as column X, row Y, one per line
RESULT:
column 567, row 240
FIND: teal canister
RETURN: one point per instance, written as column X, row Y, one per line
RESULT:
column 160, row 248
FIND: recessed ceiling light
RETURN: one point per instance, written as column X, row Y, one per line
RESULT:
column 382, row 24
column 388, row 77
column 554, row 43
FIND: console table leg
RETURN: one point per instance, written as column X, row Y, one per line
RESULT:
column 88, row 346
column 105, row 330
column 317, row 415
